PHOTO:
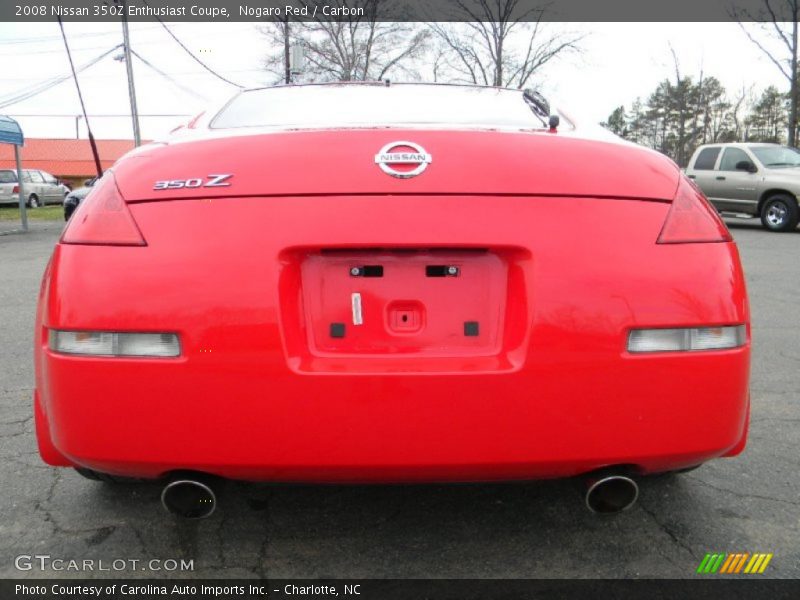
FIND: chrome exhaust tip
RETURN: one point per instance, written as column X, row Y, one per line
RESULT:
column 189, row 499
column 611, row 494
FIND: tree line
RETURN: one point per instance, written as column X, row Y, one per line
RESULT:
column 678, row 116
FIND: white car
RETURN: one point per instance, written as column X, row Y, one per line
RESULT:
column 39, row 188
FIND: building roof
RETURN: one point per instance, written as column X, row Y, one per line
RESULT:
column 64, row 158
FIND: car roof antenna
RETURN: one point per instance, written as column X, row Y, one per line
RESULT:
column 83, row 106
column 553, row 122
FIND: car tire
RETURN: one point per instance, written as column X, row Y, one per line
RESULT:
column 104, row 477
column 780, row 213
column 33, row 201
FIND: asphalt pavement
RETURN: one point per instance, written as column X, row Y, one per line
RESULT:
column 541, row 529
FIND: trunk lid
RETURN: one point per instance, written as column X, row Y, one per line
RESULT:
column 343, row 162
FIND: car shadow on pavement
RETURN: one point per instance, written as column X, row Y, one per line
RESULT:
column 536, row 529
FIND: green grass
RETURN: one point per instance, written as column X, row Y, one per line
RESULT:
column 54, row 212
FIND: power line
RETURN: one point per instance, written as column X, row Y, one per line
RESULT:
column 53, row 38
column 190, row 53
column 36, row 89
column 168, row 78
column 98, row 116
column 174, row 73
column 51, row 51
column 48, row 83
column 45, row 41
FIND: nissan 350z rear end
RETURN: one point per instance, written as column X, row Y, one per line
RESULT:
column 404, row 283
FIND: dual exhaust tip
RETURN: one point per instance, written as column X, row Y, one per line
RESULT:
column 194, row 499
column 609, row 494
column 189, row 498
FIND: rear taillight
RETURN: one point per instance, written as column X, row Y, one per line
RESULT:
column 107, row 343
column 692, row 219
column 103, row 219
column 15, row 190
column 687, row 339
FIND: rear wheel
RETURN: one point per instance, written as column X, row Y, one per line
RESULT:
column 780, row 213
column 33, row 201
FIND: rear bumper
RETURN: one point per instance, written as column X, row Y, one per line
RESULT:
column 559, row 420
column 254, row 397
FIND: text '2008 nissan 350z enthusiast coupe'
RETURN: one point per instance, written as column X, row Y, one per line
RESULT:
column 391, row 283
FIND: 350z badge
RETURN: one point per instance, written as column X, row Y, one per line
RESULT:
column 195, row 182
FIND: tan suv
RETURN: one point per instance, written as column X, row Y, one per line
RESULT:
column 761, row 180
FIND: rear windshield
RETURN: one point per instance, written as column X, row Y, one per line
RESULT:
column 8, row 177
column 396, row 105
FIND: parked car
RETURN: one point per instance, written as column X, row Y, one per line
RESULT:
column 8, row 186
column 391, row 283
column 760, row 180
column 74, row 197
column 39, row 187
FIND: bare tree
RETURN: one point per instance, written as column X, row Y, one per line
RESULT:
column 778, row 20
column 500, row 42
column 436, row 61
column 681, row 101
column 367, row 45
column 739, row 111
column 279, row 34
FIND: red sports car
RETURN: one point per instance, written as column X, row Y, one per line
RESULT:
column 391, row 283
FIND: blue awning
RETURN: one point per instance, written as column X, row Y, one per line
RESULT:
column 10, row 131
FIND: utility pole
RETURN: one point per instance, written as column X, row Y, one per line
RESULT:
column 297, row 62
column 23, row 214
column 137, row 138
column 286, row 55
column 793, row 92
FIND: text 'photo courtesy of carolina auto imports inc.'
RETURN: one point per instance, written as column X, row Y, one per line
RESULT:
column 407, row 299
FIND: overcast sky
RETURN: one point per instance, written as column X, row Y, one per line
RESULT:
column 619, row 62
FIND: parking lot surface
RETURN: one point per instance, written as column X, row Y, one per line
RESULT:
column 541, row 529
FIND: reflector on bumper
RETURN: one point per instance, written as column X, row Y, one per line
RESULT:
column 680, row 340
column 105, row 343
